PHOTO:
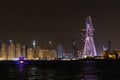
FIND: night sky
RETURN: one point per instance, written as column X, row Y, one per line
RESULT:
column 59, row 21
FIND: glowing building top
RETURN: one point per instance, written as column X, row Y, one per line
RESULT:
column 89, row 22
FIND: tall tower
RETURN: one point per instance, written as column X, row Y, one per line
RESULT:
column 18, row 50
column 60, row 51
column 89, row 46
column 3, row 51
column 34, row 44
column 11, row 51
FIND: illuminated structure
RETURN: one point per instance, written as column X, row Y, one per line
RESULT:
column 18, row 50
column 14, row 51
column 3, row 51
column 30, row 54
column 89, row 46
column 34, row 44
column 107, row 47
column 114, row 54
column 47, row 54
column 34, row 48
column 11, row 51
column 60, row 51
column 24, row 51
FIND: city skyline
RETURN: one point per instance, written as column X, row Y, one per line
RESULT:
column 59, row 21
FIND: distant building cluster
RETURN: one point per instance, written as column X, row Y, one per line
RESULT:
column 109, row 53
column 115, row 54
column 14, row 51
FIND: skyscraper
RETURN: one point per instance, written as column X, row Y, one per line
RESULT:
column 60, row 51
column 24, row 51
column 11, row 51
column 30, row 54
column 3, row 51
column 18, row 50
column 34, row 44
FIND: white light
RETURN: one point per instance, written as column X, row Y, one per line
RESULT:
column 34, row 42
column 85, row 56
column 10, row 41
column 1, row 58
column 50, row 42
column 21, row 62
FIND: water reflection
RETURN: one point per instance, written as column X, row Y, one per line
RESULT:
column 83, row 71
column 90, row 70
column 36, row 72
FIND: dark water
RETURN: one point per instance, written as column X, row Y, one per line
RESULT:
column 61, row 70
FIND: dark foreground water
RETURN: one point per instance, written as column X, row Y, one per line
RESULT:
column 61, row 70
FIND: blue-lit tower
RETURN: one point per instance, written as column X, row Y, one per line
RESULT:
column 60, row 51
column 89, row 46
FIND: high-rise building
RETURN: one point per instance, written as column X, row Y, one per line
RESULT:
column 3, row 51
column 30, row 54
column 11, row 51
column 89, row 46
column 18, row 50
column 24, row 51
column 60, row 51
column 45, row 54
column 34, row 44
column 36, row 52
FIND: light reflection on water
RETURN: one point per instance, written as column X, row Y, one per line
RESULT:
column 88, row 70
column 35, row 72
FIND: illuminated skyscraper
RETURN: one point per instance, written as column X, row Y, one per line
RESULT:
column 89, row 46
column 24, row 51
column 30, row 53
column 3, row 51
column 18, row 50
column 34, row 48
column 36, row 54
column 34, row 44
column 11, row 51
column 60, row 51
